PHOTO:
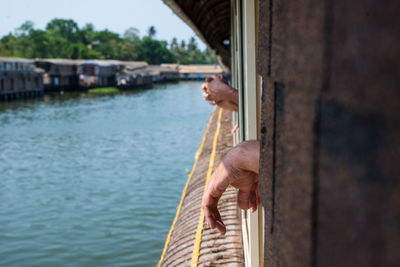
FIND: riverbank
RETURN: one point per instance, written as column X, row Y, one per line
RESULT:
column 23, row 78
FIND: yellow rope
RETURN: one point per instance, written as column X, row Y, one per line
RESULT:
column 178, row 210
column 200, row 224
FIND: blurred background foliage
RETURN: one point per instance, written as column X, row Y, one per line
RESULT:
column 62, row 38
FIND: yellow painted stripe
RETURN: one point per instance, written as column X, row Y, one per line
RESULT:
column 200, row 224
column 178, row 209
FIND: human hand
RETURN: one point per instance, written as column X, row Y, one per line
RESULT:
column 217, row 91
column 239, row 168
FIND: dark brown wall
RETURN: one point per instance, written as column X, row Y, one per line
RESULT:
column 329, row 178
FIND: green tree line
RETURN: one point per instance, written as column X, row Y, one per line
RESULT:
column 62, row 38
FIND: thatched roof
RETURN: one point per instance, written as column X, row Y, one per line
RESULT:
column 200, row 69
column 16, row 60
column 59, row 61
column 171, row 65
column 210, row 20
column 158, row 68
column 134, row 65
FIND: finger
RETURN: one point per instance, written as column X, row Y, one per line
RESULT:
column 235, row 128
column 216, row 187
column 221, row 227
column 213, row 218
column 211, row 222
column 243, row 199
column 209, row 205
column 219, row 182
column 210, row 210
column 257, row 196
column 253, row 201
column 219, row 224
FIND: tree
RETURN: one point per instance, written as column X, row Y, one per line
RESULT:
column 62, row 33
column 154, row 51
column 8, row 45
column 107, row 44
column 192, row 46
column 210, row 56
column 40, row 43
column 66, row 28
column 87, row 34
column 77, row 51
column 152, row 31
column 132, row 34
column 174, row 43
column 63, row 38
column 22, row 43
column 25, row 29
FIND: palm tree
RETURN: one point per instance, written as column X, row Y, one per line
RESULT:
column 152, row 31
column 174, row 43
column 192, row 44
column 132, row 34
column 183, row 44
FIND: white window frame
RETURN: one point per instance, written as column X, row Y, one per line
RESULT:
column 245, row 79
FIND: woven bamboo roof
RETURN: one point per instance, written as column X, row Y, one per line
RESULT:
column 210, row 20
column 190, row 241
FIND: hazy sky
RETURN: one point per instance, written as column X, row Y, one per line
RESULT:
column 115, row 15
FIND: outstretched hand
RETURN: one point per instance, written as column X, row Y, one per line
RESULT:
column 239, row 168
column 217, row 91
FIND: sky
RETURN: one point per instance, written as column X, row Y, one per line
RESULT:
column 114, row 15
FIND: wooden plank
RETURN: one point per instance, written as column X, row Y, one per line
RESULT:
column 292, row 51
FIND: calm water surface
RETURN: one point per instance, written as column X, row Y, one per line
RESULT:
column 95, row 181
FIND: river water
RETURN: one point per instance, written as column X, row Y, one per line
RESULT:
column 95, row 181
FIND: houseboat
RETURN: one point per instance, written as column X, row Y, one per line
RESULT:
column 19, row 78
column 163, row 73
column 318, row 86
column 60, row 74
column 199, row 72
column 134, row 75
column 98, row 73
